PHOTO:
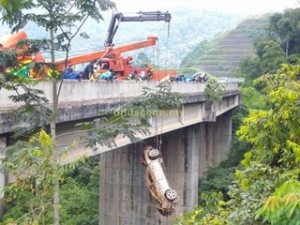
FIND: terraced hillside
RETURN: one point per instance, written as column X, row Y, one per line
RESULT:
column 222, row 56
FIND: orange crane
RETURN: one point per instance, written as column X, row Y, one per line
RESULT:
column 111, row 56
column 10, row 43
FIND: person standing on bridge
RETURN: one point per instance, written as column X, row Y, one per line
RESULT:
column 149, row 72
column 88, row 71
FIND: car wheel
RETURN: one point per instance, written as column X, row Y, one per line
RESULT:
column 154, row 153
column 171, row 194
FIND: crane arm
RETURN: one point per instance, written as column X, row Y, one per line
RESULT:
column 80, row 59
column 12, row 40
column 109, row 51
column 140, row 17
column 137, row 45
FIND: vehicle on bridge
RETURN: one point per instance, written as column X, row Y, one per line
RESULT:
column 157, row 183
column 111, row 56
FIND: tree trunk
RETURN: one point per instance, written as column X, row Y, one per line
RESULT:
column 56, row 200
column 287, row 48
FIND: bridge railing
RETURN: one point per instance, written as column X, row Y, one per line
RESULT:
column 75, row 91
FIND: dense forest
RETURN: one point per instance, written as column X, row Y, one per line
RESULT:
column 257, row 184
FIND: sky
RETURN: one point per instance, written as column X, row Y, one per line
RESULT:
column 245, row 7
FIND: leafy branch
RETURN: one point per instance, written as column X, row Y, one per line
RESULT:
column 133, row 118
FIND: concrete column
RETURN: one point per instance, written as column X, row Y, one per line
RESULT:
column 222, row 137
column 124, row 198
column 2, row 175
column 181, row 155
column 215, row 139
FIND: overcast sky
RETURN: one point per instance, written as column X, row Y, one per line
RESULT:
column 248, row 7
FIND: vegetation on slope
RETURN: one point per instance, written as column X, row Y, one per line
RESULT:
column 223, row 55
column 265, row 188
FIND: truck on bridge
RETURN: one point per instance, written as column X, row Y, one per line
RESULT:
column 111, row 57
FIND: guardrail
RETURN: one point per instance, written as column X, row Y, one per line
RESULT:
column 75, row 91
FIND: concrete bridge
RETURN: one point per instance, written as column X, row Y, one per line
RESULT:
column 190, row 143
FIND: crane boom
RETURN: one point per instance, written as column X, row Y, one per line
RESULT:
column 111, row 56
column 111, row 52
column 140, row 17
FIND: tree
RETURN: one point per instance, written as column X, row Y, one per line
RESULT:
column 285, row 30
column 37, row 158
column 34, row 191
column 285, row 27
column 272, row 132
column 80, row 194
column 266, row 188
column 58, row 17
column 151, row 103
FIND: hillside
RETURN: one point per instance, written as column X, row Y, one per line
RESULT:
column 222, row 56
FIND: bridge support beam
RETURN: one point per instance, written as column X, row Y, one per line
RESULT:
column 215, row 139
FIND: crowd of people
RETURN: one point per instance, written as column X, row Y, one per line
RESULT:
column 101, row 71
column 92, row 71
column 144, row 74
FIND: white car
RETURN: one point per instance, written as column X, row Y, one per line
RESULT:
column 157, row 182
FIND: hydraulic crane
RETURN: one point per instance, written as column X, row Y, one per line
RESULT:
column 111, row 56
column 140, row 17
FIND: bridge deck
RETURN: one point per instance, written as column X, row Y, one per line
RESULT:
column 74, row 92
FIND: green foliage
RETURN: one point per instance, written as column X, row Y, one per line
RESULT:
column 271, row 56
column 215, row 180
column 266, row 187
column 285, row 26
column 35, row 174
column 206, row 212
column 283, row 205
column 191, row 59
column 108, row 126
column 273, row 162
column 29, row 199
column 252, row 99
column 250, row 69
column 80, row 194
column 188, row 70
column 214, row 90
column 280, row 121
column 33, row 111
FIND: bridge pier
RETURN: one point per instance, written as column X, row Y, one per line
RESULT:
column 124, row 198
column 187, row 153
column 215, row 139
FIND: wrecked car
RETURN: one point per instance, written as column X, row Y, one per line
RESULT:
column 157, row 183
